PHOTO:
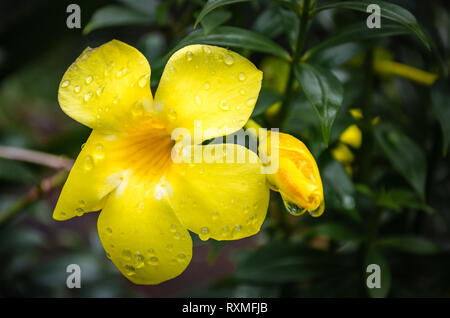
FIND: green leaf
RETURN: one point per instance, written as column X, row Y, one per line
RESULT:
column 354, row 33
column 440, row 101
column 234, row 37
column 337, row 55
column 373, row 256
column 339, row 190
column 146, row 6
column 267, row 97
column 113, row 15
column 388, row 10
column 324, row 91
column 213, row 20
column 410, row 244
column 212, row 5
column 269, row 23
column 405, row 156
column 335, row 231
column 397, row 199
column 282, row 261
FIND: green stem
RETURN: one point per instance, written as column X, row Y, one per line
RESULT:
column 300, row 44
column 33, row 195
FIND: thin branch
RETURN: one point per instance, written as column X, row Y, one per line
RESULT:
column 36, row 157
column 36, row 192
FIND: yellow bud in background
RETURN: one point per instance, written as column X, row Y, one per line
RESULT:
column 297, row 178
column 352, row 136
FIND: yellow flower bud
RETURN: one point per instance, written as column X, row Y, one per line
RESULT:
column 297, row 177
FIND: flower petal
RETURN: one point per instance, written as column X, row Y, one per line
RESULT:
column 107, row 87
column 141, row 234
column 91, row 179
column 207, row 83
column 223, row 201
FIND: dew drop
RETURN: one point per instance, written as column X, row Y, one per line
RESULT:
column 207, row 85
column 143, row 80
column 121, row 72
column 228, row 59
column 251, row 102
column 204, row 233
column 215, row 215
column 189, row 56
column 242, row 76
column 137, row 109
column 153, row 261
column 224, row 105
column 88, row 163
column 87, row 96
column 130, row 270
column 293, row 209
column 65, row 83
column 139, row 260
column 100, row 90
column 126, row 254
column 89, row 79
column 77, row 89
column 206, row 49
column 181, row 258
column 99, row 153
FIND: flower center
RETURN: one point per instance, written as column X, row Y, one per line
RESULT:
column 146, row 151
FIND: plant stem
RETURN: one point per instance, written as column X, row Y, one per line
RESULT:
column 33, row 195
column 36, row 157
column 300, row 44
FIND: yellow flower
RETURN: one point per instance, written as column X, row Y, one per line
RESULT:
column 149, row 201
column 297, row 178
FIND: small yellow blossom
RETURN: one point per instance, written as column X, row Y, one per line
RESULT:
column 297, row 178
column 148, row 202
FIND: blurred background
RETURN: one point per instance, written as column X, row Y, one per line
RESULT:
column 386, row 170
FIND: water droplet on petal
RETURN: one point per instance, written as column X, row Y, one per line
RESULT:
column 206, row 49
column 204, row 233
column 130, row 270
column 121, row 72
column 88, row 163
column 228, row 59
column 242, row 76
column 137, row 109
column 89, row 79
column 99, row 153
column 293, row 209
column 153, row 261
column 100, row 90
column 207, row 85
column 181, row 258
column 139, row 260
column 224, row 105
column 251, row 102
column 189, row 56
column 143, row 80
column 65, row 83
column 87, row 96
column 77, row 89
column 126, row 254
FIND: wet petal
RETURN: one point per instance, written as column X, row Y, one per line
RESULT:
column 141, row 234
column 107, row 87
column 223, row 201
column 208, row 84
